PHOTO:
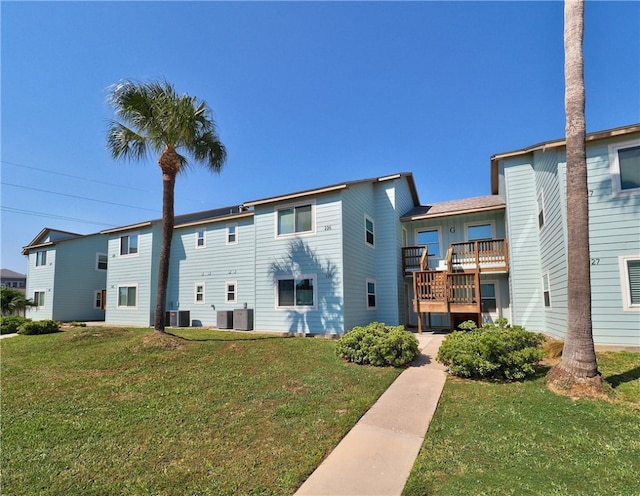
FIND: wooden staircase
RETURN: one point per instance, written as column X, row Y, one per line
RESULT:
column 454, row 289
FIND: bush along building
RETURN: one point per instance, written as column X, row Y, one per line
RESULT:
column 322, row 261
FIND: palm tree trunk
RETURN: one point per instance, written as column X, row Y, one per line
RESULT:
column 168, row 186
column 578, row 363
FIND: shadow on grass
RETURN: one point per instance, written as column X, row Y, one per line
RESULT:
column 629, row 376
column 229, row 339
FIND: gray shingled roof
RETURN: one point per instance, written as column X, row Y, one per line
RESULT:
column 453, row 207
column 10, row 274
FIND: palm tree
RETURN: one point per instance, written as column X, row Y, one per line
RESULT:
column 578, row 364
column 178, row 128
column 13, row 301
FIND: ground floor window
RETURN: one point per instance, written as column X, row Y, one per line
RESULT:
column 296, row 292
column 38, row 298
column 127, row 296
column 546, row 290
column 97, row 300
column 488, row 298
column 630, row 281
column 199, row 292
column 371, row 294
column 230, row 292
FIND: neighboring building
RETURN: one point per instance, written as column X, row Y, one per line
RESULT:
column 66, row 276
column 12, row 279
column 322, row 261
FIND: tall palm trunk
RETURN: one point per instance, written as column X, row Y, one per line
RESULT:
column 578, row 357
column 169, row 163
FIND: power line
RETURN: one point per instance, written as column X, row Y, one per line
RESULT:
column 77, row 197
column 52, row 216
column 71, row 175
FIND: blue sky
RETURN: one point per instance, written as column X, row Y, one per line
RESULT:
column 305, row 94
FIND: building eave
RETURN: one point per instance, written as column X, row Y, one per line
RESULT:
column 452, row 213
column 212, row 220
column 546, row 145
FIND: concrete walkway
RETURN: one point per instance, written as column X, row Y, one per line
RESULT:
column 376, row 456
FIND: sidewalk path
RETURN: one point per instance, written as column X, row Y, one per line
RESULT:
column 376, row 456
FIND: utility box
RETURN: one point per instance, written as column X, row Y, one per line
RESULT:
column 171, row 319
column 184, row 318
column 243, row 319
column 224, row 319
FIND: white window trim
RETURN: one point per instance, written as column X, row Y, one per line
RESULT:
column 546, row 274
column 614, row 167
column 295, row 308
column 375, row 293
column 128, row 255
column 625, row 285
column 418, row 230
column 373, row 232
column 467, row 225
column 98, row 261
column 197, row 238
column 226, row 291
column 294, row 234
column 46, row 259
column 539, row 208
column 127, row 285
column 227, row 233
column 196, row 293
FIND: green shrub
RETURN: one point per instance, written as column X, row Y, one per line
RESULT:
column 378, row 344
column 10, row 323
column 77, row 324
column 39, row 327
column 495, row 351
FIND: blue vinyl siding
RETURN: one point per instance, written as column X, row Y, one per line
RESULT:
column 69, row 279
column 139, row 271
column 524, row 246
column 318, row 253
column 213, row 265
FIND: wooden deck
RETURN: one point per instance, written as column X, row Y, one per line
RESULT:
column 457, row 288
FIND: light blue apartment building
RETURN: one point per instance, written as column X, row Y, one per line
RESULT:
column 324, row 260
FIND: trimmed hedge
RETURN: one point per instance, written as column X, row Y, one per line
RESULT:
column 39, row 327
column 10, row 324
column 495, row 351
column 378, row 344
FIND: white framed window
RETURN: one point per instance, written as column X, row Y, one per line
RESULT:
column 624, row 160
column 232, row 234
column 200, row 239
column 102, row 261
column 128, row 296
column 369, row 234
column 295, row 219
column 540, row 210
column 630, row 282
column 38, row 298
column 431, row 239
column 41, row 258
column 199, row 289
column 546, row 290
column 476, row 231
column 371, row 294
column 129, row 244
column 296, row 292
column 230, row 292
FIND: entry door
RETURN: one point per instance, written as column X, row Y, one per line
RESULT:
column 103, row 299
column 489, row 301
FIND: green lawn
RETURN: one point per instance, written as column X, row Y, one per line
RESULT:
column 119, row 411
column 521, row 439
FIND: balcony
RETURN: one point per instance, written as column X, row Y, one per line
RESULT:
column 489, row 255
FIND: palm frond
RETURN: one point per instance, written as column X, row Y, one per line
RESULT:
column 125, row 143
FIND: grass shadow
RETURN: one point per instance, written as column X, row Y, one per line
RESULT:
column 618, row 379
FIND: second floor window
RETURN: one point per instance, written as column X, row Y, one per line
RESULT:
column 368, row 231
column 101, row 261
column 232, row 234
column 200, row 239
column 129, row 244
column 297, row 219
column 41, row 258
